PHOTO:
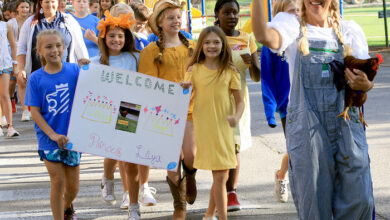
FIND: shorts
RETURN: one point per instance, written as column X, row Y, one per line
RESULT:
column 7, row 71
column 67, row 157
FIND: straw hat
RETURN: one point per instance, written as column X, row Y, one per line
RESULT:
column 159, row 7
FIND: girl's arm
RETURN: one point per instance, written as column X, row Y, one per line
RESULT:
column 11, row 41
column 234, row 119
column 254, row 65
column 269, row 37
column 21, row 59
column 61, row 140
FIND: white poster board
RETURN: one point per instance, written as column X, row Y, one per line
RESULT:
column 128, row 116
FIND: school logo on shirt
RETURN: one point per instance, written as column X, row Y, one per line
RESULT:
column 58, row 101
column 239, row 47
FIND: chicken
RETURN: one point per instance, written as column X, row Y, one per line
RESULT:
column 353, row 97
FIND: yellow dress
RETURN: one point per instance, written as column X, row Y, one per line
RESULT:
column 244, row 43
column 213, row 136
column 173, row 66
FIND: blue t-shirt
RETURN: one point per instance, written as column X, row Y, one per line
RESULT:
column 153, row 38
column 89, row 22
column 54, row 94
column 125, row 60
column 275, row 84
column 140, row 43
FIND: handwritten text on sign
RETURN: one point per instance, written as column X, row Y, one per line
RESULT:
column 128, row 116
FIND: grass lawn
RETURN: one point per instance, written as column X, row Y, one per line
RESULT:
column 366, row 17
column 130, row 126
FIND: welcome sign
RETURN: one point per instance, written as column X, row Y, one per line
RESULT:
column 128, row 116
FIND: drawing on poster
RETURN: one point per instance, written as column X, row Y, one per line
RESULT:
column 98, row 108
column 128, row 116
column 160, row 120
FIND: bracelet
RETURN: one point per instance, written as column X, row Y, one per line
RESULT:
column 14, row 62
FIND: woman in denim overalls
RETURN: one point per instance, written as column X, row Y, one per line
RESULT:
column 329, row 163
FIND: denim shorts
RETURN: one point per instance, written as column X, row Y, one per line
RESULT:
column 67, row 157
column 7, row 71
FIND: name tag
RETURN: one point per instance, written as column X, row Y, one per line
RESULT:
column 325, row 70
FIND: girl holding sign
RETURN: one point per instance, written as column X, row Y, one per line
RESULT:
column 167, row 59
column 46, row 89
column 117, row 48
column 214, row 80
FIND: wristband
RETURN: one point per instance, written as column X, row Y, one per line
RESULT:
column 14, row 62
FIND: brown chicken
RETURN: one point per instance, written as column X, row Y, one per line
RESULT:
column 353, row 97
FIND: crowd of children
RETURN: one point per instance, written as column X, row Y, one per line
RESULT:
column 45, row 51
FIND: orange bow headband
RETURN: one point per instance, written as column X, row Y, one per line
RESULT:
column 125, row 21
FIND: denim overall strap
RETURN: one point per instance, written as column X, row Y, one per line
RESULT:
column 328, row 158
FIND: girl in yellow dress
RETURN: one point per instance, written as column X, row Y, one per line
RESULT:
column 167, row 58
column 214, row 80
column 245, row 59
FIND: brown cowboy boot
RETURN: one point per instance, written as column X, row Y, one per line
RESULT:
column 191, row 191
column 179, row 198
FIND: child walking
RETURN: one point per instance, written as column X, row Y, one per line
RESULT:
column 275, row 87
column 167, row 58
column 145, row 197
column 50, row 92
column 7, row 65
column 245, row 59
column 214, row 80
column 117, row 48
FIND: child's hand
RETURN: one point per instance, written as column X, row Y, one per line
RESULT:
column 232, row 121
column 90, row 35
column 247, row 58
column 83, row 62
column 185, row 85
column 61, row 140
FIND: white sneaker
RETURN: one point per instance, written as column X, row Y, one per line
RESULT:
column 4, row 121
column 146, row 195
column 107, row 187
column 134, row 213
column 26, row 115
column 1, row 131
column 11, row 132
column 281, row 189
column 125, row 200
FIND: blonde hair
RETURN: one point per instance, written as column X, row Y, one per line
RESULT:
column 161, row 41
column 121, row 8
column 334, row 13
column 40, row 41
column 281, row 5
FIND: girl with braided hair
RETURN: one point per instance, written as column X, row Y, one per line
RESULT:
column 329, row 166
column 167, row 58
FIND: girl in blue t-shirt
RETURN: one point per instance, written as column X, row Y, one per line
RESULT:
column 50, row 92
column 117, row 48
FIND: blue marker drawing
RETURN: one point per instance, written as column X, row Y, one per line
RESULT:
column 85, row 67
column 171, row 165
column 186, row 91
column 69, row 146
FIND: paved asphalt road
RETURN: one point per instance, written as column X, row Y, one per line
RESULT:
column 25, row 186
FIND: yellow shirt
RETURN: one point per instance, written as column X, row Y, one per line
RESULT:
column 174, row 62
column 241, row 42
column 173, row 66
column 213, row 135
